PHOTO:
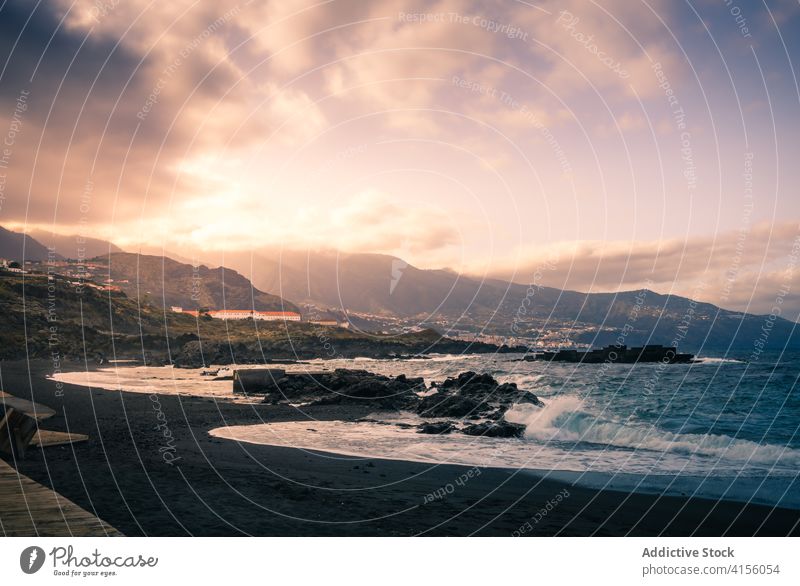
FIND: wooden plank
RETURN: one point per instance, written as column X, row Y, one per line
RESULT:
column 35, row 410
column 16, row 431
column 46, row 439
column 19, row 420
column 28, row 509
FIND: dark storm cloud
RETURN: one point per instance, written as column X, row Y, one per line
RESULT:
column 40, row 54
column 83, row 132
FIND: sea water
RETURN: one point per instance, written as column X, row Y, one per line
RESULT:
column 721, row 428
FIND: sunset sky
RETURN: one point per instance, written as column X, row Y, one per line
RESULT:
column 625, row 142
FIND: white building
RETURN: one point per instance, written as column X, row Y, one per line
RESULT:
column 258, row 315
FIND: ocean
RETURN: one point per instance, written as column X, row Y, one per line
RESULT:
column 721, row 428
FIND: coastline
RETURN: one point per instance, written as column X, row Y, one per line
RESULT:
column 210, row 486
column 740, row 489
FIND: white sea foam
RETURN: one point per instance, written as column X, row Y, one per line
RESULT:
column 566, row 419
column 714, row 360
column 579, row 432
column 162, row 380
column 605, row 468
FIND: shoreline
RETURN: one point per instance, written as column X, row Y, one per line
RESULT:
column 223, row 487
column 727, row 489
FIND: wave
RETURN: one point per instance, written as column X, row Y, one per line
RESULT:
column 717, row 360
column 568, row 419
column 450, row 357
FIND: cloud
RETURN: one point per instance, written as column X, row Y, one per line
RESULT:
column 391, row 226
column 131, row 95
column 385, row 224
column 741, row 270
column 124, row 98
column 606, row 47
column 203, row 124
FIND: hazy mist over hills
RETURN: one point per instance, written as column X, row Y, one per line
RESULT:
column 16, row 246
column 165, row 282
column 388, row 287
column 74, row 246
column 382, row 284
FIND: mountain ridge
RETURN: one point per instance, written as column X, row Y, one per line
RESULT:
column 386, row 285
column 389, row 286
column 18, row 246
column 73, row 246
column 166, row 282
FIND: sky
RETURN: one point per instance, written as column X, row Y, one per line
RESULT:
column 597, row 146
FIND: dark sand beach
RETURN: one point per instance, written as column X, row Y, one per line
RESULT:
column 221, row 487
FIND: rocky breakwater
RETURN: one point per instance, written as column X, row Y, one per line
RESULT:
column 302, row 341
column 343, row 387
column 479, row 399
column 471, row 403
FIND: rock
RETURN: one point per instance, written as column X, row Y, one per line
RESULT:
column 485, row 396
column 468, row 396
column 470, row 380
column 495, row 429
column 528, row 397
column 497, row 414
column 343, row 386
column 443, row 405
column 437, row 428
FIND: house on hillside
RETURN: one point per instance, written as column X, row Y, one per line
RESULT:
column 243, row 314
column 257, row 315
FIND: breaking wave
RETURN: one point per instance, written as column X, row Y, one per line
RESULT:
column 568, row 419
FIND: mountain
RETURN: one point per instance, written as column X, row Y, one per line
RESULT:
column 18, row 246
column 165, row 282
column 54, row 318
column 388, row 286
column 70, row 246
column 363, row 282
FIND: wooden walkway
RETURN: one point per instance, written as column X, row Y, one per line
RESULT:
column 29, row 509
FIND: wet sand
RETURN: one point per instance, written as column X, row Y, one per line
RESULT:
column 187, row 483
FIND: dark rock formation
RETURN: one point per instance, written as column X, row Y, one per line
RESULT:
column 495, row 429
column 473, row 395
column 344, row 386
column 304, row 343
column 436, row 428
column 469, row 397
column 447, row 405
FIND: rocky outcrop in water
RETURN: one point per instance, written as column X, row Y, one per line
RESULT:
column 473, row 395
column 477, row 402
column 436, row 428
column 495, row 429
column 306, row 344
column 343, row 386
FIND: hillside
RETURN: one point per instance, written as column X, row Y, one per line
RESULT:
column 62, row 322
column 17, row 246
column 73, row 246
column 164, row 282
column 385, row 285
column 66, row 319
